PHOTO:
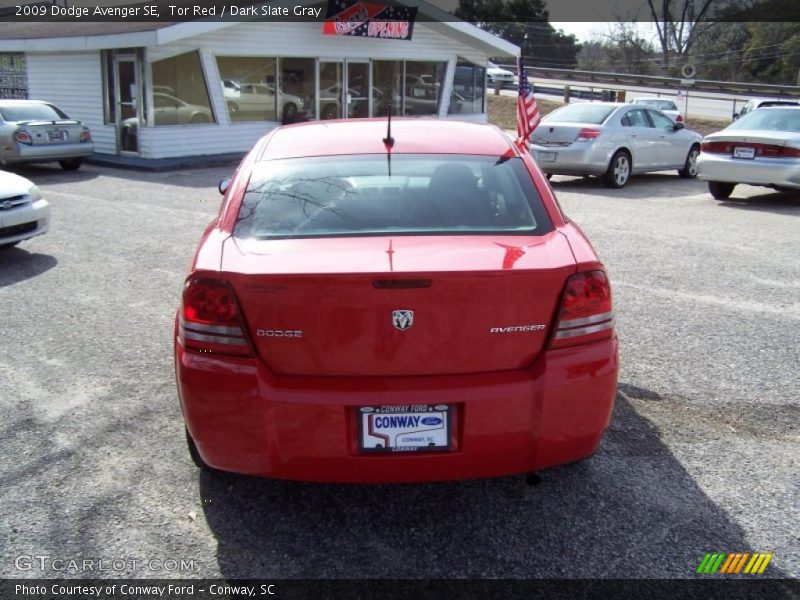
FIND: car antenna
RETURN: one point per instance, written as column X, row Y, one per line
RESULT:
column 389, row 140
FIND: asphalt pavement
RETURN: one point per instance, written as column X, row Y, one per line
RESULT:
column 701, row 456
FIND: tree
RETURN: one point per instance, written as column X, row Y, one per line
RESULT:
column 622, row 50
column 675, row 22
column 524, row 23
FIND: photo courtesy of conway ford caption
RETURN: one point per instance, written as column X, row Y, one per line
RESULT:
column 375, row 306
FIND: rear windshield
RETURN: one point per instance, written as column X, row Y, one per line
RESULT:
column 31, row 112
column 581, row 113
column 423, row 195
column 660, row 104
column 770, row 119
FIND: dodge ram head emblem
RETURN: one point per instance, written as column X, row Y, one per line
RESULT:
column 402, row 319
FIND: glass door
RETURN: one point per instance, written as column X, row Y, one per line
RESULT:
column 125, row 95
column 331, row 89
column 344, row 87
column 358, row 87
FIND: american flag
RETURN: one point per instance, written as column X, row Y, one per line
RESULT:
column 527, row 110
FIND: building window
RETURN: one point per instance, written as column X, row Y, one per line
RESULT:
column 423, row 87
column 297, row 97
column 387, row 81
column 249, row 87
column 180, row 93
column 421, row 83
column 469, row 89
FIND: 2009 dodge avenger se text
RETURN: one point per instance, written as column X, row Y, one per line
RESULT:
column 368, row 308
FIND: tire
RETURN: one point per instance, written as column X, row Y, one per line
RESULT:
column 8, row 246
column 329, row 111
column 619, row 170
column 289, row 112
column 689, row 170
column 196, row 458
column 71, row 164
column 721, row 190
column 199, row 118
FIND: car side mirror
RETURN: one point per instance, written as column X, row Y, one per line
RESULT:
column 223, row 185
column 678, row 126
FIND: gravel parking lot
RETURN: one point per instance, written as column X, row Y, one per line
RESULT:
column 701, row 456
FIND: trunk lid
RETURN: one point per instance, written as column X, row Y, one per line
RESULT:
column 756, row 136
column 48, row 133
column 326, row 306
column 558, row 134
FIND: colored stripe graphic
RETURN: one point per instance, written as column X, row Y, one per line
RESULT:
column 732, row 563
column 726, row 566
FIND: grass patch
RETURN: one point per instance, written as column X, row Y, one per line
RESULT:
column 706, row 126
column 502, row 112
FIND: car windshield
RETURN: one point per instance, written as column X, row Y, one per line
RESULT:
column 367, row 195
column 770, row 119
column 581, row 113
column 31, row 112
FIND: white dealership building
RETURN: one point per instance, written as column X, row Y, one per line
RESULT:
column 155, row 90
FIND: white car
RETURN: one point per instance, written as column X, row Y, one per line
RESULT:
column 497, row 75
column 666, row 106
column 23, row 212
column 757, row 103
column 761, row 148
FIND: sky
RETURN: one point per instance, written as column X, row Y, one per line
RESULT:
column 586, row 31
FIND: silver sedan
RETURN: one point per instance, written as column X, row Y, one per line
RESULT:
column 613, row 141
column 760, row 148
column 32, row 131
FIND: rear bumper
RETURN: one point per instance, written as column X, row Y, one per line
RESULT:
column 245, row 419
column 579, row 158
column 22, row 153
column 777, row 172
column 24, row 222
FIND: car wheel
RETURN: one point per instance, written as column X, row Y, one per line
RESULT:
column 196, row 458
column 720, row 190
column 331, row 111
column 199, row 118
column 71, row 164
column 619, row 170
column 233, row 108
column 689, row 170
column 8, row 246
column 290, row 111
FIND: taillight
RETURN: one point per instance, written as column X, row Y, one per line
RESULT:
column 586, row 314
column 210, row 321
column 86, row 136
column 762, row 150
column 716, row 147
column 679, row 119
column 23, row 137
column 587, row 133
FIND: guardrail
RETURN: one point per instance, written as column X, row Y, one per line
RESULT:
column 705, row 85
column 587, row 85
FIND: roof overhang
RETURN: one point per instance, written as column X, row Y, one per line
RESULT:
column 76, row 37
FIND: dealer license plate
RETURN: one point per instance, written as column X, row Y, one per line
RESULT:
column 416, row 428
column 744, row 152
column 57, row 136
column 546, row 156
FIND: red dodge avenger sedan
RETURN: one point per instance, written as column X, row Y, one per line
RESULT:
column 369, row 308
